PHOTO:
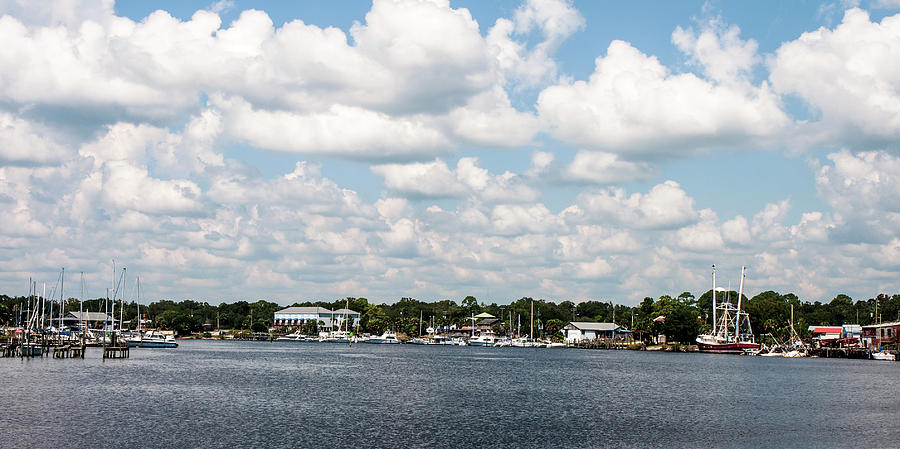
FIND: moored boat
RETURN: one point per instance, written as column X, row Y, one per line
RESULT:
column 482, row 340
column 385, row 338
column 156, row 339
column 731, row 333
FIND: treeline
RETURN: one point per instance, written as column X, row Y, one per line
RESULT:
column 684, row 316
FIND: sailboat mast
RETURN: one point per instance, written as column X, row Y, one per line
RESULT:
column 138, row 326
column 714, row 299
column 62, row 301
column 737, row 329
column 81, row 312
column 531, row 332
column 122, row 307
column 43, row 303
column 81, row 309
column 112, row 288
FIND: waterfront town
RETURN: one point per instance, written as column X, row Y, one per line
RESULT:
column 768, row 324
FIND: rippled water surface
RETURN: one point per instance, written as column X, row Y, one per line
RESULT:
column 290, row 394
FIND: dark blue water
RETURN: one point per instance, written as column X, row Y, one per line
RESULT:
column 285, row 394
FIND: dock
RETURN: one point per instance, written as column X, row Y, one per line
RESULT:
column 601, row 343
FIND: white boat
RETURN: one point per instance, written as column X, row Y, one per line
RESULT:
column 156, row 339
column 385, row 338
column 296, row 336
column 483, row 340
column 523, row 342
column 796, row 353
column 440, row 340
column 884, row 355
column 775, row 351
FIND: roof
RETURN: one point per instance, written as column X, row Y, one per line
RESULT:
column 484, row 315
column 346, row 312
column 589, row 326
column 304, row 310
column 88, row 316
column 875, row 326
column 826, row 329
column 488, row 322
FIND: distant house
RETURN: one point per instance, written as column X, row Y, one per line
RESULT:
column 580, row 331
column 297, row 316
column 487, row 324
column 876, row 335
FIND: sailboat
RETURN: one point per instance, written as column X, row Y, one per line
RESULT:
column 731, row 333
column 797, row 347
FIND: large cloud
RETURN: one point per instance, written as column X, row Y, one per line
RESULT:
column 848, row 76
column 665, row 206
column 23, row 142
column 436, row 180
column 633, row 104
column 863, row 189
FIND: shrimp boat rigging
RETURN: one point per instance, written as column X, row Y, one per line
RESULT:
column 731, row 332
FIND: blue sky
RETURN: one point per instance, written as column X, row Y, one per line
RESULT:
column 547, row 148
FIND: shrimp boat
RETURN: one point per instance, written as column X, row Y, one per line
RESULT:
column 731, row 333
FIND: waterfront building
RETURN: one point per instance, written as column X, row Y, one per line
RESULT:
column 824, row 334
column 340, row 315
column 297, row 316
column 876, row 335
column 581, row 331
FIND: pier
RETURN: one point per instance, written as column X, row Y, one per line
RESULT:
column 68, row 351
column 115, row 352
column 841, row 353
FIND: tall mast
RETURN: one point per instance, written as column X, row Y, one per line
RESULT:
column 62, row 289
column 122, row 306
column 714, row 299
column 737, row 330
column 138, row 327
column 106, row 312
column 531, row 332
column 81, row 308
column 43, row 303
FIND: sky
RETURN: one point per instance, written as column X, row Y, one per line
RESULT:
column 434, row 149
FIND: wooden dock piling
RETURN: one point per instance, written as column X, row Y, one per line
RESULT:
column 115, row 352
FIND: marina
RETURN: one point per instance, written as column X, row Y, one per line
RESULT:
column 261, row 394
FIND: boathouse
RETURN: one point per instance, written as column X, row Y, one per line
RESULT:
column 580, row 331
column 877, row 335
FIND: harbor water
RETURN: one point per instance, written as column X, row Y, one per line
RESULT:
column 209, row 394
